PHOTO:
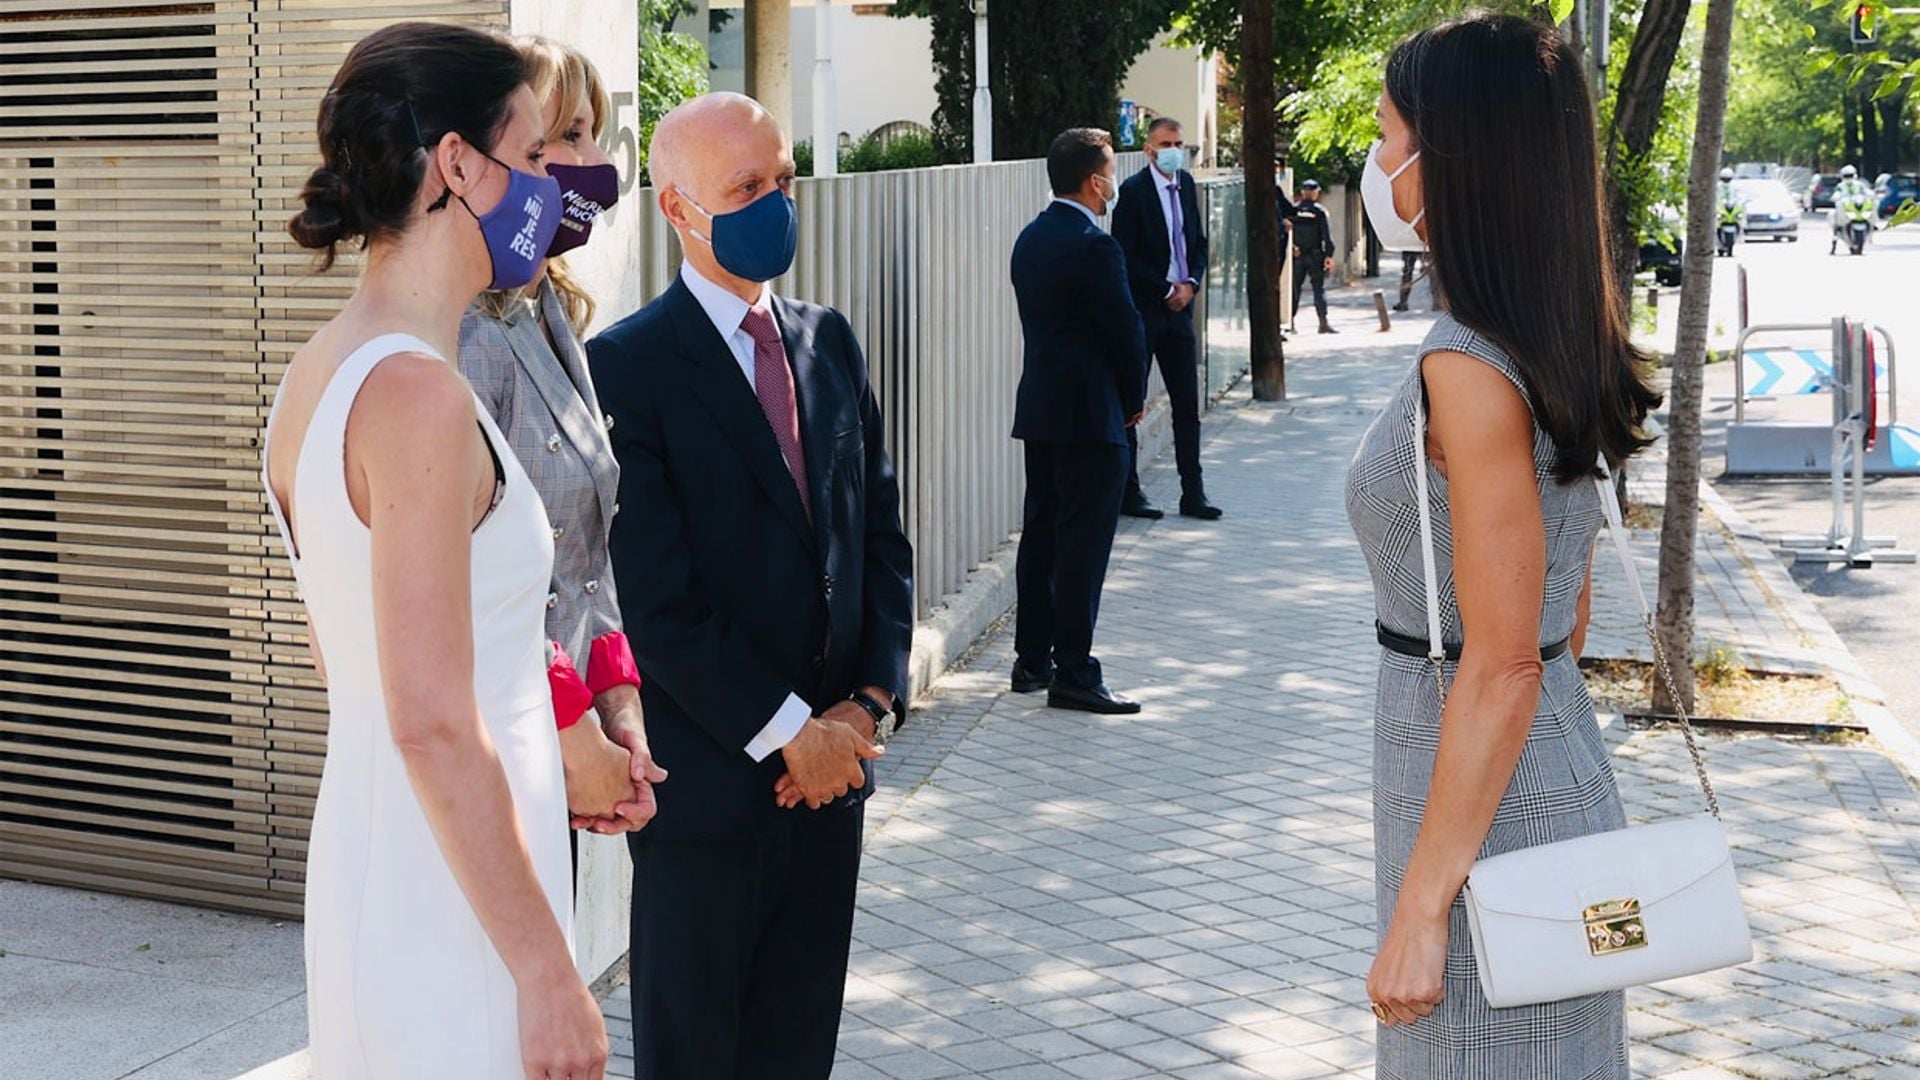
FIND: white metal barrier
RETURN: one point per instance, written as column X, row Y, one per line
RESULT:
column 1851, row 374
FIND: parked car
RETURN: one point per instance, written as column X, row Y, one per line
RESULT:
column 1771, row 209
column 1820, row 192
column 1893, row 194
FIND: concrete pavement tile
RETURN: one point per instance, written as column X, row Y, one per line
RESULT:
column 79, row 1022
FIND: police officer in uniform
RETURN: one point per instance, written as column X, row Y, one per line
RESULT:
column 1312, row 250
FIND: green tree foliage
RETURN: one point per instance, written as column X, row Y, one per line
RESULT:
column 673, row 67
column 1780, row 107
column 1053, row 66
column 1876, row 122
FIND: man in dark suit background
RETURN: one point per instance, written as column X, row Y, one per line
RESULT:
column 1082, row 385
column 765, row 585
column 1158, row 225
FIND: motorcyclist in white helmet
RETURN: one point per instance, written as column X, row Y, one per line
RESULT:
column 1852, row 201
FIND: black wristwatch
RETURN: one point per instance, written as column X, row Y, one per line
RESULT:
column 874, row 709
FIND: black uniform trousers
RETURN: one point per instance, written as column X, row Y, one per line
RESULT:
column 1072, row 510
column 1170, row 339
column 767, row 921
column 1309, row 268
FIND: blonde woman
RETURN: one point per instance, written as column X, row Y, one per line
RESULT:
column 521, row 350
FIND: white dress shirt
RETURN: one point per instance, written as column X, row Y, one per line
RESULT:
column 729, row 315
column 1169, row 206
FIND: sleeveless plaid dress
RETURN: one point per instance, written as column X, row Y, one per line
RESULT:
column 1563, row 786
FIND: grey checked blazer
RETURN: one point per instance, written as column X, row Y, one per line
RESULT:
column 542, row 398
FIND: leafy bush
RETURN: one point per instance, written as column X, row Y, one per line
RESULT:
column 911, row 150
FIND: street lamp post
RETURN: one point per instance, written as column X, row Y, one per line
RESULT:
column 826, row 122
column 982, row 92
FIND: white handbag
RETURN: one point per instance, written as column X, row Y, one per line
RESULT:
column 1610, row 910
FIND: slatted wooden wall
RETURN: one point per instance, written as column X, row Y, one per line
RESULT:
column 160, row 732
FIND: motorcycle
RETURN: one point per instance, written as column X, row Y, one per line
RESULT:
column 1853, row 221
column 1728, row 231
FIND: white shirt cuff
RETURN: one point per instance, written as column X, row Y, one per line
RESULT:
column 780, row 730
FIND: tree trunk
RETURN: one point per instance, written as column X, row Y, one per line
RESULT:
column 1678, row 532
column 1636, row 119
column 1263, row 214
column 1890, row 108
column 1853, row 129
column 1870, row 166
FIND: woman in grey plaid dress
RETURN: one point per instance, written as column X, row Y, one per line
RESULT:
column 1487, row 159
column 521, row 351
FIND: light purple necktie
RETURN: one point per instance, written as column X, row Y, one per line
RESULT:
column 773, row 385
column 1179, row 233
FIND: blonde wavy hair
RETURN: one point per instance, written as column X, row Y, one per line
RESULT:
column 558, row 72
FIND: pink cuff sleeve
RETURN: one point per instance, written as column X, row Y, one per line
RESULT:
column 611, row 664
column 571, row 698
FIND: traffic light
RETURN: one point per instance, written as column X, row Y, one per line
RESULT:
column 1863, row 24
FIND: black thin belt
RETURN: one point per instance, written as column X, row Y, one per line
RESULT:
column 1407, row 646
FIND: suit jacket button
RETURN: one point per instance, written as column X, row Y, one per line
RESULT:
column 553, row 600
column 592, row 587
column 819, row 662
column 608, row 421
column 553, row 444
column 826, row 586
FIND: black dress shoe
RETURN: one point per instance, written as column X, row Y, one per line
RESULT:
column 1027, row 681
column 1200, row 508
column 1097, row 700
column 1138, row 506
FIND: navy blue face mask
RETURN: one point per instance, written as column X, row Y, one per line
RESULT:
column 756, row 242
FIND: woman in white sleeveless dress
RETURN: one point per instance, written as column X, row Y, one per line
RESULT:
column 438, row 935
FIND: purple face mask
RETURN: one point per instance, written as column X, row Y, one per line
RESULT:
column 520, row 227
column 587, row 191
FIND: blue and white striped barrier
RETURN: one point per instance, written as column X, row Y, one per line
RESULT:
column 1787, row 372
column 1903, row 445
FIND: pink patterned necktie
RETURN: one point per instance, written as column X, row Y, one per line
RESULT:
column 1179, row 231
column 773, row 385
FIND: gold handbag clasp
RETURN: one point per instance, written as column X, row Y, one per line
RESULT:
column 1614, row 926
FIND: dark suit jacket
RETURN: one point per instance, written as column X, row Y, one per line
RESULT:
column 1085, row 369
column 1140, row 224
column 730, row 597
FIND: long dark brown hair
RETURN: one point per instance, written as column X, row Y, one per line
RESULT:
column 1510, row 179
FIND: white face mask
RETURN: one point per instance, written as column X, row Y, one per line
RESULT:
column 1110, row 201
column 1376, row 193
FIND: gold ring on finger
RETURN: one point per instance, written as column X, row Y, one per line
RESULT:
column 1380, row 1012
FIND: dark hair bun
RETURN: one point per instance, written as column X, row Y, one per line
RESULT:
column 327, row 216
column 401, row 88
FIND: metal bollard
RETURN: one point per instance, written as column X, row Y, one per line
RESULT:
column 1653, row 298
column 1380, row 308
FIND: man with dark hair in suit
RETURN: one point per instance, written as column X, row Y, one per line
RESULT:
column 1082, row 385
column 1157, row 223
column 766, row 588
